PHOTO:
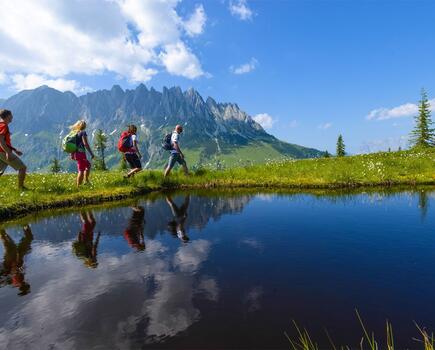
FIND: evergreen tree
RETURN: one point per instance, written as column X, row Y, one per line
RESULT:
column 327, row 154
column 99, row 164
column 100, row 145
column 423, row 134
column 400, row 148
column 55, row 166
column 423, row 203
column 341, row 151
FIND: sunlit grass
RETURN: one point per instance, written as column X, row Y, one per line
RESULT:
column 378, row 169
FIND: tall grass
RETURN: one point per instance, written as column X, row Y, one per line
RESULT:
column 303, row 340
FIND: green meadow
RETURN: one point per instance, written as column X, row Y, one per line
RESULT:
column 386, row 169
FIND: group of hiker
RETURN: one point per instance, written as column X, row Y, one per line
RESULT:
column 85, row 245
column 77, row 145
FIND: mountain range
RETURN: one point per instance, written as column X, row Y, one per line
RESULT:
column 215, row 134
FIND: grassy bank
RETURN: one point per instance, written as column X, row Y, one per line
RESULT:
column 380, row 169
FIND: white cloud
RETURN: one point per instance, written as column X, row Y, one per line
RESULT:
column 384, row 144
column 253, row 299
column 3, row 78
column 31, row 81
column 210, row 288
column 178, row 60
column 240, row 9
column 293, row 124
column 168, row 306
column 252, row 243
column 405, row 110
column 245, row 68
column 131, row 38
column 265, row 120
column 195, row 24
column 324, row 126
column 190, row 257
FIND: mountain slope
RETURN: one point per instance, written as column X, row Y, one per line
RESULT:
column 217, row 134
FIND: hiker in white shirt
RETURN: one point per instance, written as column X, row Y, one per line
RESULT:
column 176, row 155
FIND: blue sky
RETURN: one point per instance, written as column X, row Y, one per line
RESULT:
column 308, row 70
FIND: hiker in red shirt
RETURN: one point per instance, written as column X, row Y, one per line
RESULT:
column 128, row 146
column 7, row 156
column 133, row 234
column 12, row 271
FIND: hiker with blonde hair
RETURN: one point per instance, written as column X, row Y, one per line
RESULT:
column 79, row 155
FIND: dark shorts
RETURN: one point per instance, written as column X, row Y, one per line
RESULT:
column 175, row 158
column 133, row 160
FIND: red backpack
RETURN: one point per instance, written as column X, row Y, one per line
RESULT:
column 125, row 143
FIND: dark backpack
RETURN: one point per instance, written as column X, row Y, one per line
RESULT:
column 167, row 144
column 125, row 142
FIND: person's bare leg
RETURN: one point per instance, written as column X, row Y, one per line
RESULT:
column 91, row 218
column 133, row 171
column 87, row 173
column 186, row 171
column 21, row 177
column 130, row 173
column 80, row 176
column 167, row 171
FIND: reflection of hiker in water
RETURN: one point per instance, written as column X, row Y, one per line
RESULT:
column 176, row 225
column 133, row 234
column 12, row 271
column 84, row 247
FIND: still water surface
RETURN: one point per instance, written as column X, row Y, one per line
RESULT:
column 219, row 271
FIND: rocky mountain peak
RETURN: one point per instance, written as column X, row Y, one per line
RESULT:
column 210, row 127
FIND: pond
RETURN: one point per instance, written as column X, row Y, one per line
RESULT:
column 219, row 270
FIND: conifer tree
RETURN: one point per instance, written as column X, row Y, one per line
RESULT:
column 100, row 145
column 55, row 166
column 423, row 134
column 423, row 203
column 326, row 154
column 341, row 150
column 99, row 164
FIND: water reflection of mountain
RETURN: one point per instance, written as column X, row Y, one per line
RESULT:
column 199, row 212
column 114, row 221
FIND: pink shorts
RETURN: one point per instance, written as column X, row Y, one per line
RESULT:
column 82, row 162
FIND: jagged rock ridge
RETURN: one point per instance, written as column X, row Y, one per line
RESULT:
column 212, row 130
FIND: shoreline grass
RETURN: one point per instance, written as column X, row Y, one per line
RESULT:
column 380, row 170
column 304, row 341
